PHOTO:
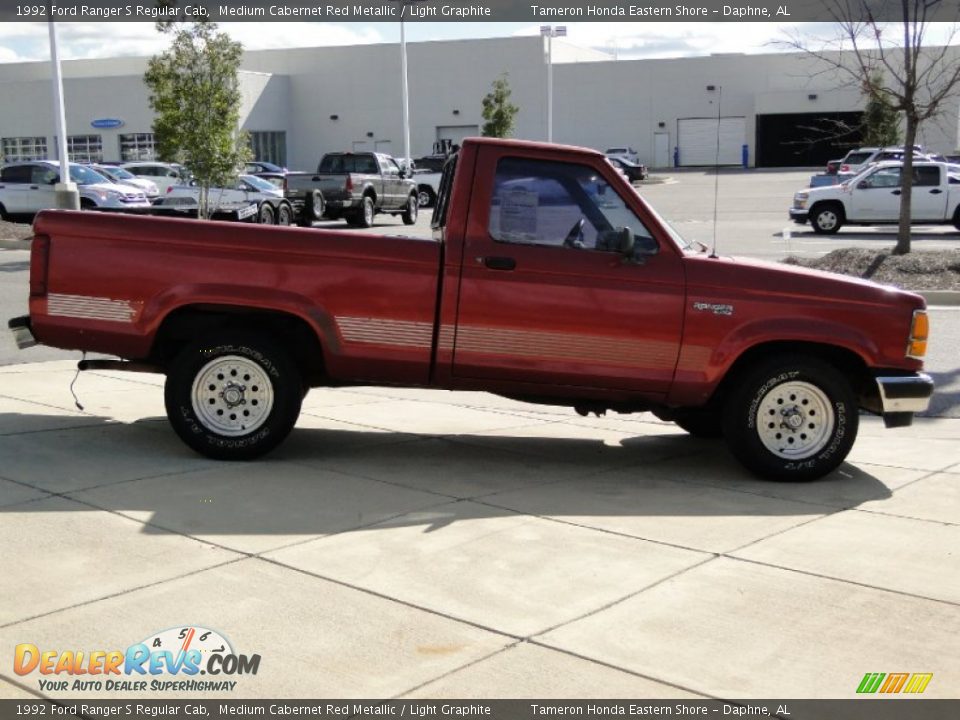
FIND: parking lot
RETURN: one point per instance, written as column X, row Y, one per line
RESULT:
column 408, row 543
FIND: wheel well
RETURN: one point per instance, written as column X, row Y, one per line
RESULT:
column 371, row 193
column 850, row 365
column 830, row 203
column 187, row 324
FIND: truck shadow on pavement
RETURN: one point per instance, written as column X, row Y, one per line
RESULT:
column 326, row 481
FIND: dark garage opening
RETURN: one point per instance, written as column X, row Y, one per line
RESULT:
column 805, row 139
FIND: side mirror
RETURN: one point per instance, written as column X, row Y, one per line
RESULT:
column 625, row 241
column 403, row 172
column 864, row 184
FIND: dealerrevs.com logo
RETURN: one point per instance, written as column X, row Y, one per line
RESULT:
column 181, row 659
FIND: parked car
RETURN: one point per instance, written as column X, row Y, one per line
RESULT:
column 611, row 311
column 623, row 153
column 873, row 198
column 249, row 191
column 28, row 187
column 855, row 160
column 255, row 167
column 635, row 172
column 123, row 176
column 163, row 175
column 354, row 186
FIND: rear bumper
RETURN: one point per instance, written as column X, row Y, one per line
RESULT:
column 22, row 332
column 903, row 395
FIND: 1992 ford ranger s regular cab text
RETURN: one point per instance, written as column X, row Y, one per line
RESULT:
column 548, row 279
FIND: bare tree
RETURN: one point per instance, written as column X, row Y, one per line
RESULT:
column 891, row 63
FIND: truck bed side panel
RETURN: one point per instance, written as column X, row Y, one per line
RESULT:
column 113, row 280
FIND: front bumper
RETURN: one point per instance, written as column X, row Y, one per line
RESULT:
column 22, row 333
column 903, row 395
column 799, row 216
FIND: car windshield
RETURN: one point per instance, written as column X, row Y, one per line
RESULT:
column 855, row 158
column 118, row 173
column 258, row 183
column 82, row 175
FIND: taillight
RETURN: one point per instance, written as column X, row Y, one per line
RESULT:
column 39, row 263
column 919, row 330
column 169, row 189
column 349, row 183
column 844, row 168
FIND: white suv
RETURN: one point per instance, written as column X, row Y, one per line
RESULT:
column 26, row 188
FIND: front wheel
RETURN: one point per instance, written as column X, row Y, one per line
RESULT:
column 409, row 214
column 826, row 219
column 791, row 419
column 234, row 397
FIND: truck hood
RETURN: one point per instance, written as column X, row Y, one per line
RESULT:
column 740, row 276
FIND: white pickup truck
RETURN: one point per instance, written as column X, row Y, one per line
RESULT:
column 873, row 198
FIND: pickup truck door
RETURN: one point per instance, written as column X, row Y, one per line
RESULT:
column 876, row 198
column 542, row 301
column 392, row 182
column 930, row 194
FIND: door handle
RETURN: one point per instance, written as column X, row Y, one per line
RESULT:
column 500, row 263
column 895, row 192
column 936, row 191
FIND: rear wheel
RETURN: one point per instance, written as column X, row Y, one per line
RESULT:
column 265, row 215
column 791, row 418
column 364, row 214
column 234, row 397
column 3, row 213
column 284, row 214
column 409, row 214
column 425, row 196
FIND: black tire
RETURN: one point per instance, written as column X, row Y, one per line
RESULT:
column 365, row 213
column 409, row 214
column 284, row 214
column 3, row 213
column 248, row 373
column 826, row 218
column 266, row 215
column 700, row 422
column 791, row 418
column 956, row 217
column 425, row 196
column 87, row 204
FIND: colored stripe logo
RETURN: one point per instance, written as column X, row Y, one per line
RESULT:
column 892, row 683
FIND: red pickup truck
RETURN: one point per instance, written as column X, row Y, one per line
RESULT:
column 548, row 279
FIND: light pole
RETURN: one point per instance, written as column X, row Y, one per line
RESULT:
column 404, row 87
column 550, row 32
column 67, row 196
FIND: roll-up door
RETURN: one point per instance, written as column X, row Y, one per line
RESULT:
column 697, row 139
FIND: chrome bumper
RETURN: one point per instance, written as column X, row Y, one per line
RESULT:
column 22, row 334
column 903, row 395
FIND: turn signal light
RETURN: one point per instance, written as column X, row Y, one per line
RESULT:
column 919, row 331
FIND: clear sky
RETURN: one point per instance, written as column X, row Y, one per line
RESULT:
column 29, row 41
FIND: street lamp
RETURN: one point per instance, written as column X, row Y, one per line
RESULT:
column 550, row 32
column 67, row 196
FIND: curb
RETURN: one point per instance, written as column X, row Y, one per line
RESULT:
column 15, row 244
column 940, row 297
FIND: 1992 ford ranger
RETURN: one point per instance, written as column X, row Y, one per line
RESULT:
column 548, row 279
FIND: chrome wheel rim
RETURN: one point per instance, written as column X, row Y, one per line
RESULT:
column 368, row 212
column 317, row 206
column 423, row 198
column 232, row 396
column 795, row 420
column 412, row 207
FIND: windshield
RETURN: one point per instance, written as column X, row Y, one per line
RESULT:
column 671, row 231
column 258, row 183
column 855, row 158
column 118, row 173
column 82, row 175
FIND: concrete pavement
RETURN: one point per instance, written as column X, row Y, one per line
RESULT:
column 405, row 543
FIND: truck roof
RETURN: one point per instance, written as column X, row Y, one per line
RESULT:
column 531, row 145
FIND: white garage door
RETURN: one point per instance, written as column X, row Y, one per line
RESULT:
column 456, row 133
column 698, row 140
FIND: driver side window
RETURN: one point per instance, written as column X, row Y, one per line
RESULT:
column 537, row 202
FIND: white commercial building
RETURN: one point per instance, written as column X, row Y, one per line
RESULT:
column 774, row 110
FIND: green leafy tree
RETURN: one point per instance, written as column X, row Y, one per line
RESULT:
column 195, row 94
column 500, row 114
column 881, row 123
